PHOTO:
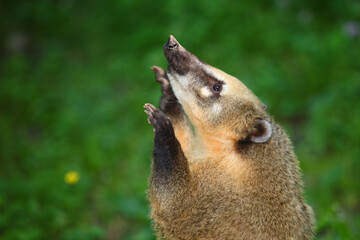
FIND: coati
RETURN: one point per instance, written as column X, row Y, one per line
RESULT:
column 222, row 168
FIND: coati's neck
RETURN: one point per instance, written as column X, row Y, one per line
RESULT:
column 213, row 143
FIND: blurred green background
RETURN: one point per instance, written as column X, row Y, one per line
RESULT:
column 75, row 146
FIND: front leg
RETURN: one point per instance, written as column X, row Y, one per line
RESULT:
column 170, row 169
column 173, row 110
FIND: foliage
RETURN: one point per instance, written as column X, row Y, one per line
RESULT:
column 74, row 76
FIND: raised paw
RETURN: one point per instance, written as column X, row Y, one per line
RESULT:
column 156, row 117
column 168, row 101
column 160, row 76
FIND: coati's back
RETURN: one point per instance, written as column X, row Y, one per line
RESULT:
column 236, row 177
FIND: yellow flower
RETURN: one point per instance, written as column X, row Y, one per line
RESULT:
column 71, row 177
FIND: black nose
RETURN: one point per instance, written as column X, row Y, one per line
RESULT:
column 171, row 43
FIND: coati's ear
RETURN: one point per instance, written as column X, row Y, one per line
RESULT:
column 263, row 131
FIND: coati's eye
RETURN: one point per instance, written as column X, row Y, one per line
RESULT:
column 216, row 88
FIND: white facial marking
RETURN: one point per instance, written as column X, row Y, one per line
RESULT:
column 220, row 75
column 216, row 108
column 205, row 92
column 223, row 90
column 181, row 80
column 180, row 85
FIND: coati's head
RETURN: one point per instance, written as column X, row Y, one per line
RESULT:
column 215, row 102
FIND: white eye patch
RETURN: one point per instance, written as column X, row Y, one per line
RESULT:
column 223, row 90
column 205, row 92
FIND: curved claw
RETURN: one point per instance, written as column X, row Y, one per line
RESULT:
column 155, row 116
column 150, row 110
column 160, row 75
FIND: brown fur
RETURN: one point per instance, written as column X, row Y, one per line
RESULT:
column 233, row 189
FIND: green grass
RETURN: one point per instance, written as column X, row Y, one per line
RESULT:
column 75, row 75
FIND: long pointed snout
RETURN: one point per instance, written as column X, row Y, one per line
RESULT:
column 171, row 44
column 172, row 47
column 179, row 59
